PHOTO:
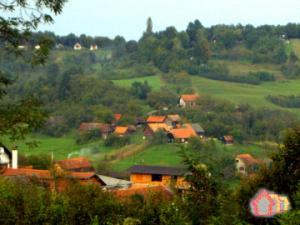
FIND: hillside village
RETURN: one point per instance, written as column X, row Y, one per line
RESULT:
column 142, row 178
column 189, row 126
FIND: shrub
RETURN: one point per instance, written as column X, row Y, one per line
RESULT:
column 114, row 140
column 91, row 135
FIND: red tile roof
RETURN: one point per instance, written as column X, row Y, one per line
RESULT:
column 82, row 175
column 249, row 159
column 75, row 163
column 117, row 116
column 156, row 119
column 183, row 133
column 121, row 130
column 190, row 98
column 44, row 174
column 144, row 190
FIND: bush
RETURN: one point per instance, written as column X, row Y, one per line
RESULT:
column 291, row 101
column 159, row 137
column 114, row 140
column 91, row 135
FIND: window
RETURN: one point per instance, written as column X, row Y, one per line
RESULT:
column 156, row 177
column 241, row 168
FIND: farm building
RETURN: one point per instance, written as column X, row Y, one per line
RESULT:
column 121, row 131
column 78, row 164
column 182, row 134
column 55, row 182
column 158, row 175
column 189, row 100
column 246, row 164
column 117, row 117
column 77, row 46
column 156, row 119
column 5, row 157
column 198, row 129
column 151, row 128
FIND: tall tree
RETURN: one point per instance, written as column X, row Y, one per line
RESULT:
column 18, row 19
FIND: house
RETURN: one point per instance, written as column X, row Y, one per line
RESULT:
column 246, row 164
column 105, row 129
column 268, row 204
column 173, row 120
column 121, row 131
column 117, row 117
column 156, row 119
column 152, row 128
column 182, row 134
column 158, row 175
column 93, row 47
column 55, row 181
column 198, row 129
column 227, row 139
column 77, row 46
column 8, row 159
column 114, row 183
column 37, row 47
column 189, row 100
column 78, row 164
column 5, row 157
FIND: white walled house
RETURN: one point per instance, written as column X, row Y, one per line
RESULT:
column 188, row 100
column 77, row 46
column 246, row 164
column 5, row 157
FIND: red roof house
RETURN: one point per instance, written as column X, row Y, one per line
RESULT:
column 156, row 119
column 78, row 164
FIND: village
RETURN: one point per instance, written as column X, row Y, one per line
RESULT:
column 138, row 179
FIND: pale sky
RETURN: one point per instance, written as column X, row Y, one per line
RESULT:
column 128, row 17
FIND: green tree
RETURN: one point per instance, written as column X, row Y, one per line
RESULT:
column 19, row 118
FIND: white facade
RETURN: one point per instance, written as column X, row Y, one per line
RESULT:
column 4, row 157
column 240, row 166
column 77, row 46
column 182, row 103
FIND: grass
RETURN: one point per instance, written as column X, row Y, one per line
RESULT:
column 254, row 95
column 154, row 82
column 61, row 147
column 244, row 67
column 164, row 155
column 295, row 45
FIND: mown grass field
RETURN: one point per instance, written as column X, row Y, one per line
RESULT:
column 254, row 95
column 244, row 67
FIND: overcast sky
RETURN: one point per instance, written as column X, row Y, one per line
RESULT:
column 128, row 17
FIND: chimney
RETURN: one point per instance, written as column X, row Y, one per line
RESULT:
column 14, row 163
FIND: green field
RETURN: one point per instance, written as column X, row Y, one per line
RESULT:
column 254, row 95
column 154, row 82
column 164, row 155
column 60, row 147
